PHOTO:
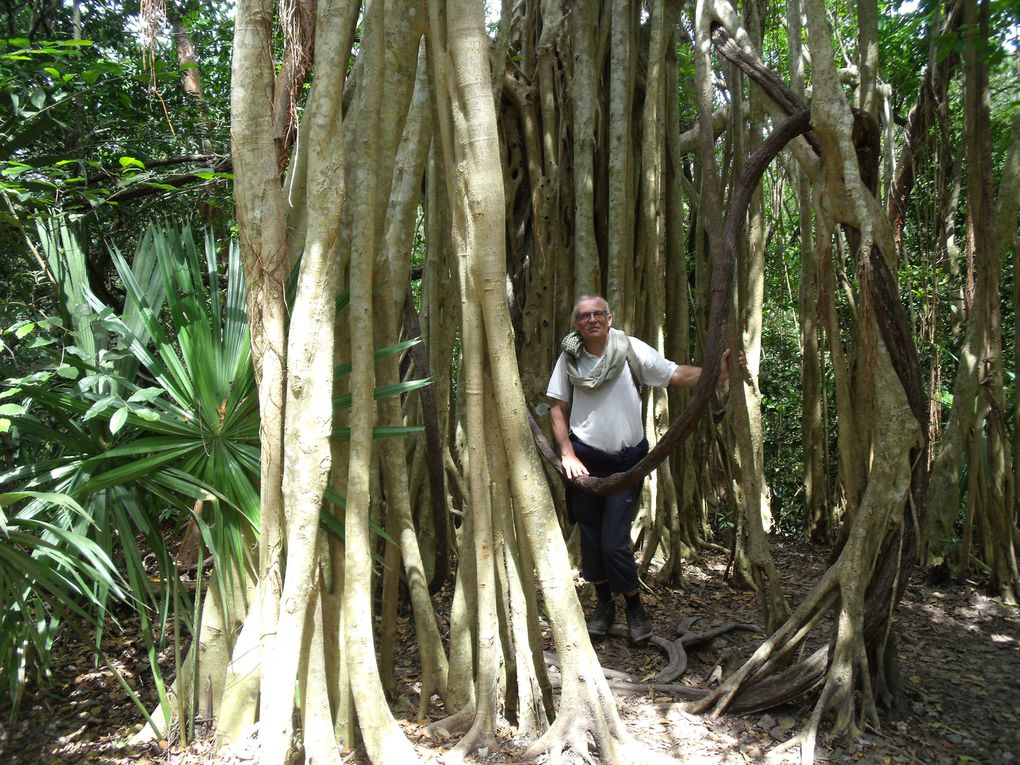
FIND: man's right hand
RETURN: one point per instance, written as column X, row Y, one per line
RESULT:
column 573, row 467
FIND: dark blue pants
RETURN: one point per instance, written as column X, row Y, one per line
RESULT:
column 605, row 521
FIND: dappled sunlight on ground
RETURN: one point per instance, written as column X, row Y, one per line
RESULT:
column 960, row 661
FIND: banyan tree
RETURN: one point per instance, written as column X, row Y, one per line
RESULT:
column 422, row 171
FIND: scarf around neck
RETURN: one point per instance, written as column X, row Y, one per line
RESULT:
column 607, row 367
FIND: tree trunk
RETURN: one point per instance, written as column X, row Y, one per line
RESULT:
column 260, row 211
column 817, row 512
column 621, row 161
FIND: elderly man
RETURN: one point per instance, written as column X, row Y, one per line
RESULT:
column 596, row 422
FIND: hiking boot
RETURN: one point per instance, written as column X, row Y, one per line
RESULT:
column 602, row 619
column 639, row 624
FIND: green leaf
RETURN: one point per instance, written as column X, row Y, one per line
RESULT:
column 41, row 341
column 145, row 394
column 68, row 372
column 99, row 407
column 208, row 175
column 62, row 500
column 90, row 76
column 15, row 410
column 118, row 419
column 14, row 169
column 127, row 162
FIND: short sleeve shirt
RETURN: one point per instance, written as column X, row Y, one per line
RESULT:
column 609, row 417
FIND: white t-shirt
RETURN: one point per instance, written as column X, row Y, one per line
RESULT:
column 609, row 417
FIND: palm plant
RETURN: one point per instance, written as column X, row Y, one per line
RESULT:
column 46, row 570
column 141, row 415
column 138, row 416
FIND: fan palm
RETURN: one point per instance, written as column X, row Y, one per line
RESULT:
column 143, row 414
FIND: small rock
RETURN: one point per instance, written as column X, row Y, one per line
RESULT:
column 767, row 722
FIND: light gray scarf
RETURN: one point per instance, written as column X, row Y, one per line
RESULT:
column 607, row 368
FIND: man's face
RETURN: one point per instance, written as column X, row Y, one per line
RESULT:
column 592, row 319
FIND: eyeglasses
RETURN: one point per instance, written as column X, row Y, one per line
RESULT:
column 600, row 315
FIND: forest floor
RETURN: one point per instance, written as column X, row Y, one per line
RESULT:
column 959, row 651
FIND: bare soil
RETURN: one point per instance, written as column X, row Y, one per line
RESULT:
column 959, row 650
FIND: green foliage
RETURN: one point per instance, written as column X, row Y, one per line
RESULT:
column 47, row 570
column 130, row 418
column 136, row 416
column 46, row 87
column 85, row 123
column 781, row 407
column 902, row 43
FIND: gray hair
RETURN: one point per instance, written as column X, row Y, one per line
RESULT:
column 582, row 298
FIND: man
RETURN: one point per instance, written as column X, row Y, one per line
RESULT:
column 596, row 423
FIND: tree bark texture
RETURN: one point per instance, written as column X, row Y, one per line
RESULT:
column 578, row 164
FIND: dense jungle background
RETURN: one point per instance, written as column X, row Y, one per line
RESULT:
column 283, row 284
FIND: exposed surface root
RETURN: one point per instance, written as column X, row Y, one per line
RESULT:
column 965, row 642
column 576, row 732
column 474, row 739
column 676, row 660
column 453, row 725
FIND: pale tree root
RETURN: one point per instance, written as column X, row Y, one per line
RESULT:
column 476, row 730
column 694, row 639
column 479, row 736
column 676, row 660
column 584, row 721
column 452, row 725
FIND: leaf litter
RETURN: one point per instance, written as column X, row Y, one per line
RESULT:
column 959, row 655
